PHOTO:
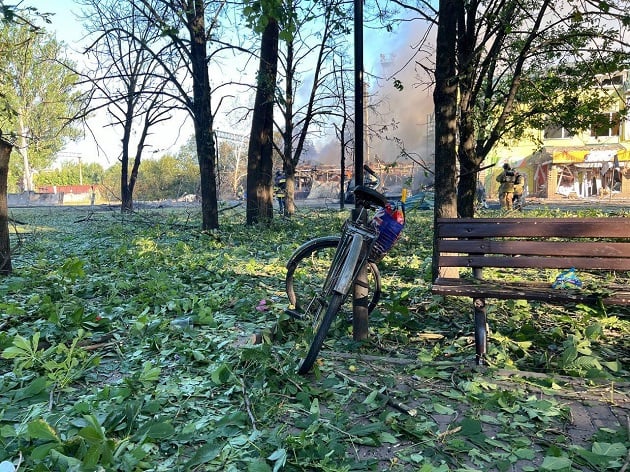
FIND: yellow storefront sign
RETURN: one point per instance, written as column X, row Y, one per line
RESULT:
column 569, row 156
column 575, row 156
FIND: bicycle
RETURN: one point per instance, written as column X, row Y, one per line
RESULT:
column 321, row 272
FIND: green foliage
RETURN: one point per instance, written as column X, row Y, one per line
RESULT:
column 96, row 374
column 564, row 60
column 169, row 177
column 258, row 13
column 61, row 364
column 577, row 103
column 19, row 14
column 38, row 95
column 71, row 173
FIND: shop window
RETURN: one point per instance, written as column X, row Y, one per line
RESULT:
column 607, row 125
column 614, row 80
column 557, row 132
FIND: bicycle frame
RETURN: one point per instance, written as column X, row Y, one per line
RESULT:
column 359, row 238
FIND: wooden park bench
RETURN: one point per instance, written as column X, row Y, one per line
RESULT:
column 593, row 246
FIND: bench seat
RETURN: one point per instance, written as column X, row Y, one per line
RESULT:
column 539, row 291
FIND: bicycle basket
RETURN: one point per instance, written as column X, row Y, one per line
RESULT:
column 389, row 230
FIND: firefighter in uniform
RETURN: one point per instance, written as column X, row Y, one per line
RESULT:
column 280, row 191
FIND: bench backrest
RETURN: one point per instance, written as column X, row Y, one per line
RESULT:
column 546, row 243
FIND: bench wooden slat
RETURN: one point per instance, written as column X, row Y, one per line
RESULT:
column 534, row 227
column 597, row 244
column 535, row 262
column 464, row 287
column 542, row 248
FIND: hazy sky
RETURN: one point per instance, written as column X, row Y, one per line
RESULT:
column 409, row 108
column 102, row 143
column 64, row 22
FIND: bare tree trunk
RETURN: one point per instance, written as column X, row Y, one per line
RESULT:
column 5, row 245
column 126, row 196
column 289, row 162
column 466, row 53
column 259, row 156
column 445, row 100
column 128, row 183
column 289, row 172
column 202, row 116
column 341, row 134
column 126, row 190
column 469, row 163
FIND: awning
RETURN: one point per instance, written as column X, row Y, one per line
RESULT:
column 569, row 156
column 588, row 165
column 623, row 155
column 600, row 156
column 538, row 158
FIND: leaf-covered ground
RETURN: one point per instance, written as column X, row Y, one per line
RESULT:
column 127, row 344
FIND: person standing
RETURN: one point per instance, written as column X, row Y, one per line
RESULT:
column 480, row 196
column 519, row 188
column 280, row 191
column 506, row 186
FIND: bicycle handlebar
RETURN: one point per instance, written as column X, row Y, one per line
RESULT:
column 369, row 170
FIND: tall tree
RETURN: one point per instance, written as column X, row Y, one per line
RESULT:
column 315, row 32
column 342, row 127
column 14, row 17
column 187, row 73
column 127, row 81
column 37, row 90
column 445, row 100
column 521, row 64
column 260, row 152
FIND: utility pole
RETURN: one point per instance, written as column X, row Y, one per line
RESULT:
column 366, row 124
column 360, row 292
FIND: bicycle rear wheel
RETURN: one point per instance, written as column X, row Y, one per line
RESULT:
column 344, row 268
column 306, row 273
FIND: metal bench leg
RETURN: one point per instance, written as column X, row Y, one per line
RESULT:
column 481, row 329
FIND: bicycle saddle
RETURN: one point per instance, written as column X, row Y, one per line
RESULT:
column 367, row 194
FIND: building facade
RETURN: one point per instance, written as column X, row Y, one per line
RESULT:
column 592, row 164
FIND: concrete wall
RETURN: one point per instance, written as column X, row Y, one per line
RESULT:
column 35, row 199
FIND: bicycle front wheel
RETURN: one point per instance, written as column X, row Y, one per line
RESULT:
column 306, row 273
column 319, row 334
column 344, row 269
